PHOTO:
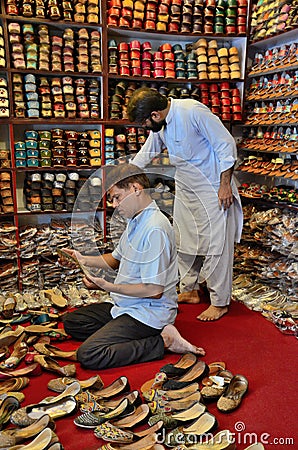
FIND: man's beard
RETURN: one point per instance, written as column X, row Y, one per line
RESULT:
column 156, row 126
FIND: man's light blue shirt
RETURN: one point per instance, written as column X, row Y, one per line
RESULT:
column 147, row 254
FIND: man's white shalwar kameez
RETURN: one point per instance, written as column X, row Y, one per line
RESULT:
column 201, row 149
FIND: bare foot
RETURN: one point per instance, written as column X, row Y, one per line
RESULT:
column 175, row 343
column 189, row 297
column 213, row 313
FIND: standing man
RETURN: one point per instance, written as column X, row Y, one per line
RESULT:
column 138, row 325
column 207, row 209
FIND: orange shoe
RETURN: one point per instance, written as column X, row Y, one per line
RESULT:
column 189, row 297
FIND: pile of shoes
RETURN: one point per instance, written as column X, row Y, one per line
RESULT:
column 184, row 16
column 163, row 193
column 56, row 97
column 59, row 148
column 173, row 405
column 216, row 63
column 6, row 197
column 223, row 100
column 119, row 99
column 18, row 348
column 4, row 104
column 277, row 140
column 273, row 87
column 8, row 267
column 127, row 143
column 201, row 60
column 276, row 195
column 264, row 280
column 274, row 113
column 38, row 246
column 2, row 49
column 72, row 10
column 273, row 305
column 272, row 18
column 273, row 167
column 35, row 47
column 284, row 56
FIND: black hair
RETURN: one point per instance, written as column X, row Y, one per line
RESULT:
column 143, row 102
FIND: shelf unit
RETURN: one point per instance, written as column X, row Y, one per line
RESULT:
column 270, row 142
column 12, row 128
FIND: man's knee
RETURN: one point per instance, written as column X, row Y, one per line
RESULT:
column 84, row 357
column 70, row 325
column 91, row 357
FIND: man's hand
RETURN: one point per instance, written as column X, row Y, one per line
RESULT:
column 225, row 196
column 68, row 257
column 97, row 283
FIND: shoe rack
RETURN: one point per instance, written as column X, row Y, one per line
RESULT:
column 72, row 66
column 268, row 166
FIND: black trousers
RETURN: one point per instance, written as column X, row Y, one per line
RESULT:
column 111, row 342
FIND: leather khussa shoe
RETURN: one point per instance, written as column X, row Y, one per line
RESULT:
column 189, row 297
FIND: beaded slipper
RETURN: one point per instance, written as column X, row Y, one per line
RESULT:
column 60, row 408
column 95, row 418
column 8, row 336
column 19, row 352
column 232, row 397
column 18, row 395
column 110, row 433
column 205, row 423
column 146, row 443
column 173, row 420
column 90, row 404
column 160, row 394
column 216, row 385
column 14, row 436
column 32, row 369
column 175, row 405
column 214, row 368
column 8, row 307
column 60, row 384
column 54, row 333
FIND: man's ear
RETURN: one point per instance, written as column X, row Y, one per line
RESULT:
column 137, row 187
column 156, row 115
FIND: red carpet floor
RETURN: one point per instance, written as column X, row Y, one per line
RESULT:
column 249, row 345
